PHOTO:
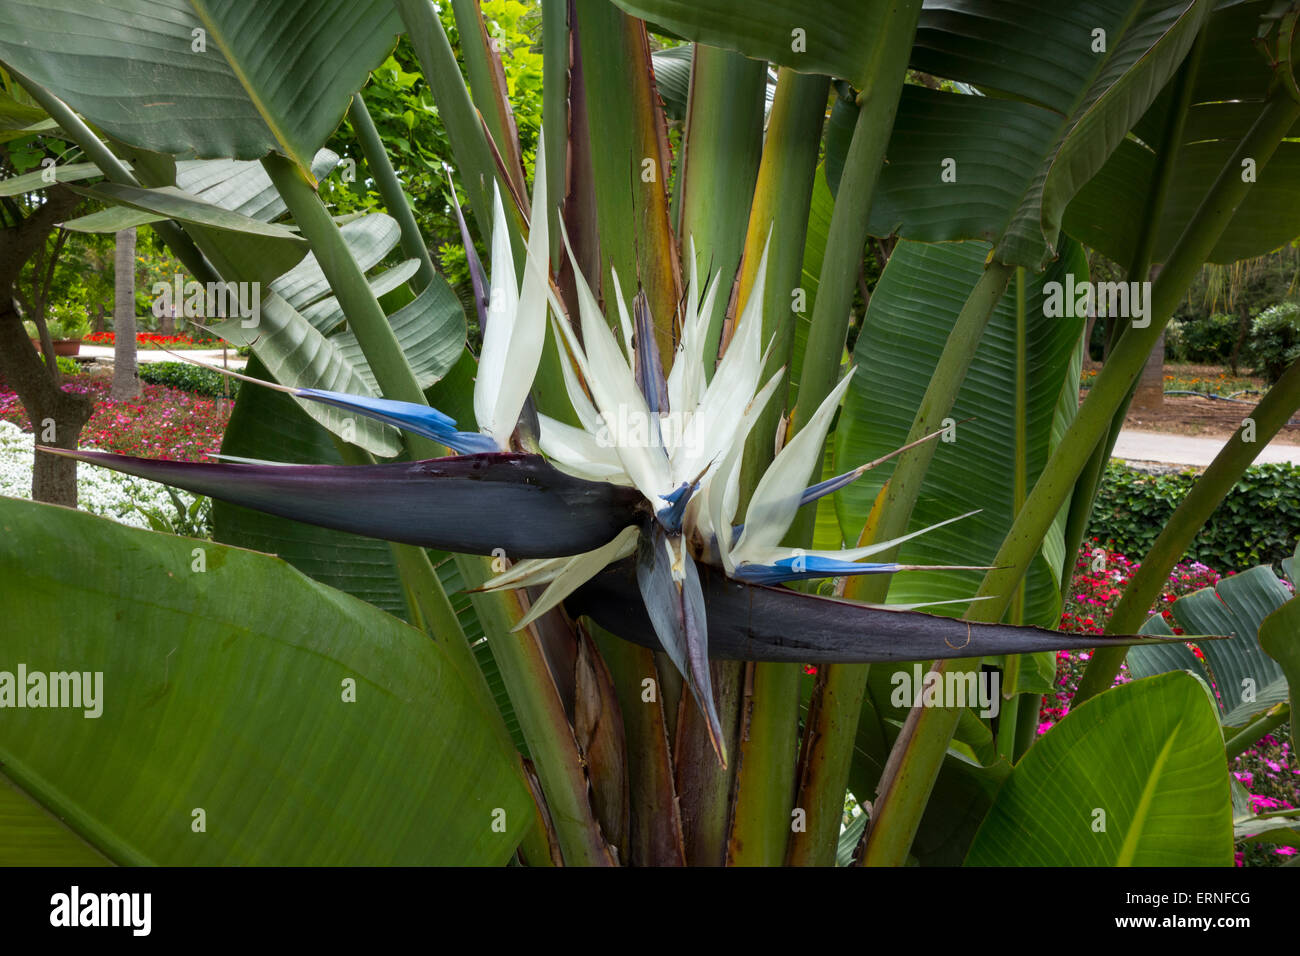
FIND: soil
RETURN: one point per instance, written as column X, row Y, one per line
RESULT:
column 1203, row 417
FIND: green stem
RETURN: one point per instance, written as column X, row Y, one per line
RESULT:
column 523, row 666
column 555, row 112
column 830, row 734
column 1272, row 412
column 390, row 189
column 778, row 218
column 1085, row 491
column 720, row 155
column 1008, row 720
column 486, row 87
column 1247, row 736
column 847, row 234
column 456, row 110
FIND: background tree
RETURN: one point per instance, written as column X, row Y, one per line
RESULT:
column 126, row 379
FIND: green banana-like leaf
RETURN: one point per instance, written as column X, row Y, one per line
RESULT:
column 170, row 202
column 270, row 425
column 206, row 79
column 812, row 36
column 1132, row 777
column 911, row 312
column 274, row 248
column 1279, row 636
column 242, row 186
column 42, row 178
column 298, row 356
column 1248, row 680
column 431, row 330
column 227, row 691
column 369, row 238
column 673, row 79
column 1004, row 170
column 1228, row 94
column 32, row 836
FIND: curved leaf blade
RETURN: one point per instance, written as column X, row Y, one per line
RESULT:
column 246, row 662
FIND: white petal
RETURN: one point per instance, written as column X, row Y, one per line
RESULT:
column 614, row 390
column 528, row 326
column 503, row 302
column 769, row 555
column 577, row 452
column 580, row 569
column 776, row 498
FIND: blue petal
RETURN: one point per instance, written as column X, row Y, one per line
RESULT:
column 417, row 419
column 830, row 485
column 804, row 567
column 671, row 517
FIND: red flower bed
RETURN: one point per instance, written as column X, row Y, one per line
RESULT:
column 151, row 340
column 162, row 423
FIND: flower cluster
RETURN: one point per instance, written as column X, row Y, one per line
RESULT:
column 108, row 494
column 162, row 423
column 151, row 340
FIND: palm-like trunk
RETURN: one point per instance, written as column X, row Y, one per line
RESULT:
column 126, row 379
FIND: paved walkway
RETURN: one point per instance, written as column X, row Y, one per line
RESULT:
column 1186, row 450
column 206, row 356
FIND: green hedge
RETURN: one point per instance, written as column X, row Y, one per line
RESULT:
column 1257, row 523
column 189, row 378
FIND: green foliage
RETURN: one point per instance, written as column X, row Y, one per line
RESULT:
column 1257, row 523
column 1206, row 340
column 68, row 323
column 402, row 107
column 68, row 366
column 1275, row 339
column 190, row 378
column 191, row 521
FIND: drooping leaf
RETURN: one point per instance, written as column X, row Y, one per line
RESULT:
column 1228, row 94
column 964, row 166
column 815, row 36
column 206, row 79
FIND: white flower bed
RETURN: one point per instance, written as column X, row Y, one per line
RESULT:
column 108, row 494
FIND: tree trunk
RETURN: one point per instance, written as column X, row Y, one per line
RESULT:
column 1243, row 330
column 126, row 380
column 57, row 416
column 1150, row 395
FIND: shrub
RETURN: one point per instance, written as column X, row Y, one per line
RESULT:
column 1207, row 340
column 67, row 324
column 190, row 378
column 68, row 366
column 1257, row 523
column 1275, row 339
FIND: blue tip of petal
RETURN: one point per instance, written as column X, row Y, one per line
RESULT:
column 806, row 567
column 417, row 419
